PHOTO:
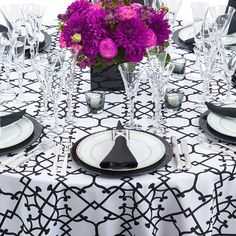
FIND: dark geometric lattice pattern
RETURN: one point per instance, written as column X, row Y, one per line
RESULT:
column 165, row 202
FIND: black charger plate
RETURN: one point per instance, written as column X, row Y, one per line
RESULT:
column 108, row 172
column 204, row 125
column 179, row 42
column 36, row 134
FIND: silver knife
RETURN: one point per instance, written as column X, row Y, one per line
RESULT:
column 175, row 148
column 185, row 151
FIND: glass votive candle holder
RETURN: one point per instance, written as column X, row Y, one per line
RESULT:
column 95, row 101
column 179, row 68
column 174, row 99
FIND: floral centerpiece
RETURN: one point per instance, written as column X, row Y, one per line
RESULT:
column 111, row 31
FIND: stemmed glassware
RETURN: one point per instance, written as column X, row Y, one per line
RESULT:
column 155, row 72
column 56, row 83
column 19, row 60
column 173, row 9
column 7, row 93
column 131, row 75
column 33, row 14
column 42, row 69
column 12, row 16
column 69, row 75
column 229, row 70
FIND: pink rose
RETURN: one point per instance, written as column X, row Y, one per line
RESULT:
column 152, row 38
column 126, row 12
column 107, row 48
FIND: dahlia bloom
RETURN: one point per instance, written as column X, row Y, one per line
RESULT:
column 111, row 31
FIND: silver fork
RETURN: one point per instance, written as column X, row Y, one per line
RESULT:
column 65, row 160
column 21, row 158
column 57, row 152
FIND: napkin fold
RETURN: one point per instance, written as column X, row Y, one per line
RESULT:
column 120, row 156
column 225, row 111
column 189, row 41
column 12, row 117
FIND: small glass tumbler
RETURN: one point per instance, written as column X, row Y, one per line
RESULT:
column 173, row 99
column 95, row 101
column 179, row 68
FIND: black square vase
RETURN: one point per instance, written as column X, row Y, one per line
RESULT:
column 109, row 79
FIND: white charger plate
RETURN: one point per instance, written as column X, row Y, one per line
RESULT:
column 146, row 148
column 188, row 33
column 16, row 132
column 222, row 124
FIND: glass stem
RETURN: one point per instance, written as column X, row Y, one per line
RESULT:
column 131, row 111
column 45, row 103
column 7, row 71
column 55, row 114
column 69, row 103
column 20, row 83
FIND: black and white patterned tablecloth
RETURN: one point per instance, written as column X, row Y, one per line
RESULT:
column 165, row 202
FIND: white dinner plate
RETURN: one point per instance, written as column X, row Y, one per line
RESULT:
column 146, row 148
column 188, row 33
column 16, row 132
column 222, row 124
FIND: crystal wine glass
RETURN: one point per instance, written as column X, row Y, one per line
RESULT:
column 131, row 75
column 42, row 69
column 156, row 65
column 19, row 44
column 229, row 70
column 33, row 15
column 56, row 83
column 69, row 77
column 7, row 93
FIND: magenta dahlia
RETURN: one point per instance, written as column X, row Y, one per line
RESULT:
column 132, row 35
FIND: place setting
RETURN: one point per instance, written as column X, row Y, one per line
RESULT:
column 18, row 131
column 220, row 122
column 121, row 151
column 187, row 36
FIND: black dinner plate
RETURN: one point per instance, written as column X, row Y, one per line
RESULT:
column 159, row 164
column 179, row 42
column 204, row 126
column 26, row 143
column 42, row 45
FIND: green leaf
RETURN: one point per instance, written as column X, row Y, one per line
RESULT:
column 126, row 2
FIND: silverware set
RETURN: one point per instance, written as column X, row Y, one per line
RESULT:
column 60, row 150
column 186, row 165
column 22, row 157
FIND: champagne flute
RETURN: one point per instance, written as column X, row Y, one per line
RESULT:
column 42, row 69
column 7, row 93
column 56, row 83
column 33, row 15
column 69, row 77
column 131, row 75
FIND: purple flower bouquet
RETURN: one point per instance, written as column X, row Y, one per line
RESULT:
column 111, row 31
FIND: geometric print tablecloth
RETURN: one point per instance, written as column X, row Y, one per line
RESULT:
column 165, row 202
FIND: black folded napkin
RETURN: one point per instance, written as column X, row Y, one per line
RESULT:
column 188, row 41
column 10, row 118
column 225, row 111
column 232, row 26
column 120, row 156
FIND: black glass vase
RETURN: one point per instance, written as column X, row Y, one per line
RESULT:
column 109, row 79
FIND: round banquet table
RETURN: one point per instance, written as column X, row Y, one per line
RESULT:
column 163, row 202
